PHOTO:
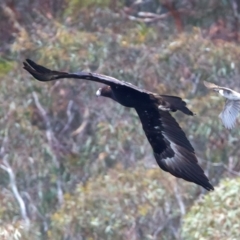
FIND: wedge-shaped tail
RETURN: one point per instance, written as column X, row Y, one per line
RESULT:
column 177, row 103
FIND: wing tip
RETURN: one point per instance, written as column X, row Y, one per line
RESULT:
column 209, row 85
column 37, row 71
column 203, row 181
column 29, row 61
column 227, row 121
column 208, row 186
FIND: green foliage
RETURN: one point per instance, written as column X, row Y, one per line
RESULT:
column 110, row 205
column 67, row 171
column 5, row 66
column 75, row 5
column 85, row 3
column 11, row 232
column 217, row 215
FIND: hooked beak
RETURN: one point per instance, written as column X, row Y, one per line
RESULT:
column 98, row 93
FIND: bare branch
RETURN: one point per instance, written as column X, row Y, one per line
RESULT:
column 70, row 116
column 51, row 139
column 179, row 199
column 160, row 228
column 148, row 17
column 83, row 124
column 12, row 17
column 6, row 167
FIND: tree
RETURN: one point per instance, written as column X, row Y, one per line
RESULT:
column 216, row 215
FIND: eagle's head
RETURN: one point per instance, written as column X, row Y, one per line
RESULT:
column 99, row 92
column 105, row 92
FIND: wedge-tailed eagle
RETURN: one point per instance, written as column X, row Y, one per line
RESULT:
column 172, row 150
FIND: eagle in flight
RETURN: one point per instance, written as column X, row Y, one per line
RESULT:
column 232, row 106
column 172, row 150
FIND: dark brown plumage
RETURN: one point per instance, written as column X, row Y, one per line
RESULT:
column 172, row 150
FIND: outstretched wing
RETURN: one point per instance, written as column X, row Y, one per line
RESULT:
column 216, row 87
column 211, row 85
column 172, row 150
column 230, row 113
column 44, row 74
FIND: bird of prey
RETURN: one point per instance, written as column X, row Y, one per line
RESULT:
column 232, row 106
column 172, row 150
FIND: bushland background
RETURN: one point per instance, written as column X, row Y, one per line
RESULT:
column 73, row 166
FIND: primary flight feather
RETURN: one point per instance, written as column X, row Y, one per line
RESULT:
column 172, row 150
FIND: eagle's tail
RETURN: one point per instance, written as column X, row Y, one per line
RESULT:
column 177, row 103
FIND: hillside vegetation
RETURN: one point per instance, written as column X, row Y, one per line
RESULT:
column 74, row 166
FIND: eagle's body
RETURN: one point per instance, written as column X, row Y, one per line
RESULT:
column 172, row 150
column 231, row 109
